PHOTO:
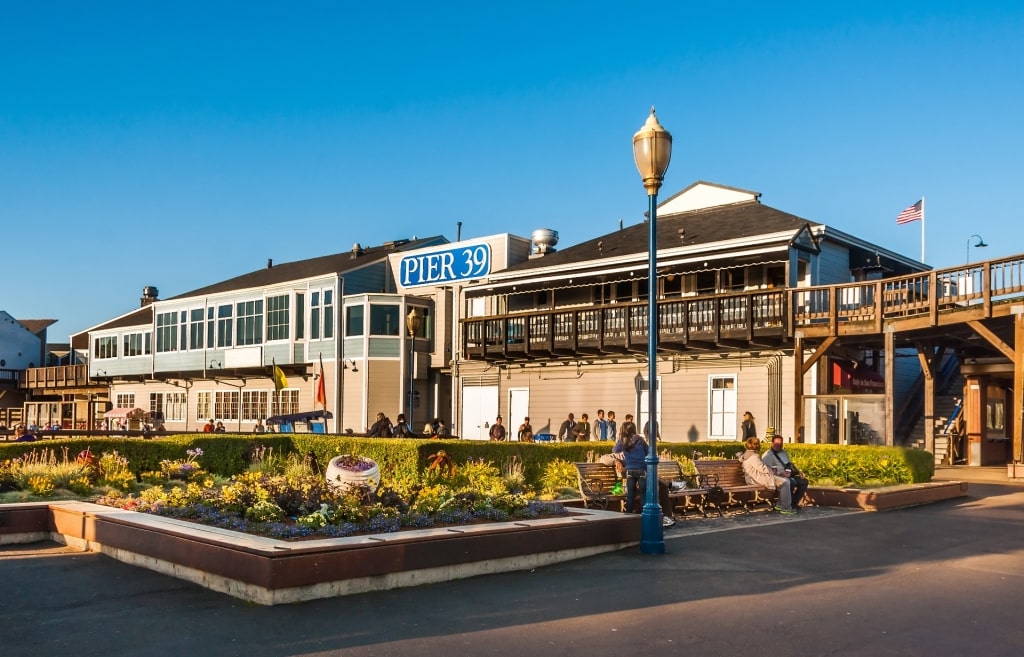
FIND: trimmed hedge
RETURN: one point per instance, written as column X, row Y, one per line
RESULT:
column 406, row 458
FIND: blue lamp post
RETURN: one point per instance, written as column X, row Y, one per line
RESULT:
column 652, row 150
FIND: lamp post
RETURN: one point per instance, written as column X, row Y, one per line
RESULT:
column 413, row 322
column 980, row 245
column 652, row 150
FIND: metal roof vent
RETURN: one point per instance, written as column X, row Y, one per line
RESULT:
column 544, row 241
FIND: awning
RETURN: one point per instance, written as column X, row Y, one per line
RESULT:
column 858, row 377
column 300, row 417
column 121, row 413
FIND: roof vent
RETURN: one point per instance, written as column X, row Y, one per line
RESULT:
column 544, row 241
column 149, row 295
column 270, row 263
column 356, row 250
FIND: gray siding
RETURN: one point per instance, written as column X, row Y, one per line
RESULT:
column 832, row 266
column 368, row 279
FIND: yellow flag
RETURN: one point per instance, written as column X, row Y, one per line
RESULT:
column 280, row 380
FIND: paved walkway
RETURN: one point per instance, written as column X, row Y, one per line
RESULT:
column 942, row 579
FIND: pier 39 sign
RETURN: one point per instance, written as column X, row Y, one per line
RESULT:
column 461, row 263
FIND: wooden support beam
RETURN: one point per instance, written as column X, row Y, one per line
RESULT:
column 992, row 339
column 890, row 385
column 930, row 359
column 818, row 353
column 1017, row 404
column 798, row 387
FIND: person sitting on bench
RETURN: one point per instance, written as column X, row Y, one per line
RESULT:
column 778, row 461
column 757, row 473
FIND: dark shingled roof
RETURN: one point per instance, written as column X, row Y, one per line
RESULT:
column 329, row 264
column 280, row 273
column 704, row 226
column 36, row 326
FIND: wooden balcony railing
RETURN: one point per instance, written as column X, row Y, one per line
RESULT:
column 699, row 322
column 751, row 319
column 943, row 296
column 62, row 376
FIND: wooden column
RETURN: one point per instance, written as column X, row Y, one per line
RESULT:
column 890, row 385
column 798, row 388
column 1017, row 401
column 974, row 416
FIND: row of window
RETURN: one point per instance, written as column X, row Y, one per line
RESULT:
column 242, row 324
column 221, row 405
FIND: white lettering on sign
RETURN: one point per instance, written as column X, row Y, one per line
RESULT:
column 445, row 266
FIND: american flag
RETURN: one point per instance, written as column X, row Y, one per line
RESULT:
column 913, row 213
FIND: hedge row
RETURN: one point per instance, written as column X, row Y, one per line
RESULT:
column 405, row 459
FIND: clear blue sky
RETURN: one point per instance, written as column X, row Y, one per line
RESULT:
column 178, row 144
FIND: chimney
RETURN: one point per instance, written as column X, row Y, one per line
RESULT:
column 149, row 295
column 356, row 251
column 270, row 263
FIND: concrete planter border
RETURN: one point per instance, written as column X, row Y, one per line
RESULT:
column 885, row 499
column 270, row 571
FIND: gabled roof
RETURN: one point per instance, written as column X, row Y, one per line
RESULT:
column 36, row 326
column 686, row 229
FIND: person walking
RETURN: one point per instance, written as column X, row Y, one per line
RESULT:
column 747, row 428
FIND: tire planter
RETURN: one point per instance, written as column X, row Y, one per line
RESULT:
column 340, row 475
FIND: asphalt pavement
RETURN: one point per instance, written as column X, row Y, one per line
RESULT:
column 941, row 579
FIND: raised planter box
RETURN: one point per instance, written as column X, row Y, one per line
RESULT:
column 891, row 497
column 269, row 571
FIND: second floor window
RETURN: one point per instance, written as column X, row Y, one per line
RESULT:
column 224, row 323
column 137, row 344
column 249, row 318
column 167, row 332
column 277, row 318
column 105, row 347
column 204, row 406
column 125, row 400
column 195, row 328
column 225, row 405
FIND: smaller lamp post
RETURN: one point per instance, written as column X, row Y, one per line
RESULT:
column 414, row 323
column 980, row 245
column 652, row 150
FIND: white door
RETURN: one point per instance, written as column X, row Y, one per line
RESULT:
column 518, row 408
column 479, row 408
column 722, row 408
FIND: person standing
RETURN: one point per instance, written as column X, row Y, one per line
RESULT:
column 582, row 429
column 747, row 428
column 565, row 432
column 600, row 426
column 647, row 430
column 525, row 433
column 382, row 428
column 778, row 461
column 259, row 428
column 402, row 428
column 757, row 473
column 634, row 451
column 612, row 427
column 497, row 432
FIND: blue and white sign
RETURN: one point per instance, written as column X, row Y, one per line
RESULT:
column 440, row 267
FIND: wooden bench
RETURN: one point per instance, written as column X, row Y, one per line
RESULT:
column 735, row 491
column 596, row 481
column 694, row 496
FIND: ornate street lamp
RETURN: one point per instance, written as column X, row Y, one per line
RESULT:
column 652, row 150
column 414, row 323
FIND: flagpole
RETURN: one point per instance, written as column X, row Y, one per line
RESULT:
column 922, row 228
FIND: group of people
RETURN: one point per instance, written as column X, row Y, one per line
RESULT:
column 603, row 428
column 383, row 427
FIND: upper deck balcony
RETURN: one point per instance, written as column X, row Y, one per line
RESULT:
column 705, row 322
